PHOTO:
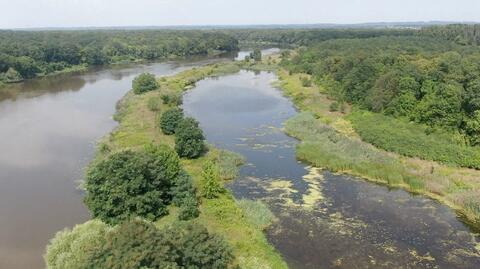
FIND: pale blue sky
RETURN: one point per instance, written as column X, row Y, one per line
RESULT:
column 75, row 13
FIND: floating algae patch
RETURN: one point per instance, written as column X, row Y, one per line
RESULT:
column 314, row 191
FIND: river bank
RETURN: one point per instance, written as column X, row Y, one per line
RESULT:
column 459, row 188
column 222, row 215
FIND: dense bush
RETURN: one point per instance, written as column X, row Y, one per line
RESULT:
column 170, row 120
column 184, row 196
column 131, row 183
column 144, row 83
column 210, row 177
column 74, row 248
column 189, row 139
column 411, row 139
column 172, row 99
column 138, row 244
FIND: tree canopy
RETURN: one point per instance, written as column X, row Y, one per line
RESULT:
column 144, row 82
column 31, row 53
column 137, row 244
column 189, row 139
column 131, row 183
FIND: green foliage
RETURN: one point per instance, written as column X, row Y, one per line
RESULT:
column 11, row 75
column 256, row 55
column 189, row 139
column 228, row 163
column 31, row 53
column 137, row 244
column 257, row 212
column 334, row 107
column 153, row 104
column 131, row 183
column 324, row 147
column 170, row 120
column 417, row 77
column 184, row 196
column 464, row 34
column 144, row 83
column 72, row 249
column 411, row 139
column 174, row 99
column 210, row 177
column 306, row 82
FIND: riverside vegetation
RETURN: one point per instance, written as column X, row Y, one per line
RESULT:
column 340, row 141
column 28, row 54
column 369, row 108
column 151, row 218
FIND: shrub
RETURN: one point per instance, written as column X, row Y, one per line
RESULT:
column 144, row 83
column 138, row 244
column 153, row 103
column 333, row 107
column 131, row 183
column 172, row 99
column 228, row 163
column 210, row 176
column 73, row 248
column 189, row 139
column 170, row 119
column 306, row 82
column 183, row 193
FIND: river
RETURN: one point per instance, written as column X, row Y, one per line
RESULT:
column 324, row 220
column 48, row 133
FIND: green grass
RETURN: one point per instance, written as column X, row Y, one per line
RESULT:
column 411, row 139
column 257, row 212
column 222, row 215
column 324, row 147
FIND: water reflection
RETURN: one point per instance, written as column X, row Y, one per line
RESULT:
column 325, row 220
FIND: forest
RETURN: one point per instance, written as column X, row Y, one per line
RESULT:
column 27, row 54
column 410, row 79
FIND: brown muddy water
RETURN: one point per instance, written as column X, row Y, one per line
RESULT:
column 324, row 220
column 48, row 132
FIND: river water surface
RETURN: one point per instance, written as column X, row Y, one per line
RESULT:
column 324, row 220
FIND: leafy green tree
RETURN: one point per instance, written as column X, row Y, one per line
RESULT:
column 136, row 243
column 144, row 83
column 211, row 176
column 131, row 183
column 170, row 120
column 73, row 248
column 184, row 196
column 189, row 139
column 12, row 76
column 256, row 55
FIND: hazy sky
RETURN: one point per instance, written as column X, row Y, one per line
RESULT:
column 74, row 13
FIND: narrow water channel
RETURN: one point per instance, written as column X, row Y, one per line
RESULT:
column 324, row 220
column 48, row 132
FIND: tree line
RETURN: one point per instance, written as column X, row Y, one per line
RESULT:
column 415, row 77
column 27, row 54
